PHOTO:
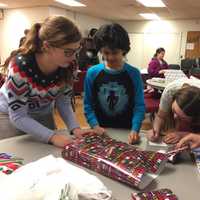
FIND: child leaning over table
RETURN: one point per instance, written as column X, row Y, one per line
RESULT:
column 113, row 90
column 40, row 75
column 180, row 103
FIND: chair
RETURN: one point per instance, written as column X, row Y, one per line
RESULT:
column 78, row 87
column 174, row 66
column 79, row 83
column 187, row 64
column 145, row 76
column 195, row 72
column 151, row 104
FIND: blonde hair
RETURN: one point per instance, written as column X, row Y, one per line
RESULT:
column 57, row 31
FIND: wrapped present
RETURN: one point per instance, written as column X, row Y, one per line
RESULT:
column 9, row 163
column 163, row 194
column 115, row 159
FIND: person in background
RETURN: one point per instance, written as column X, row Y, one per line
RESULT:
column 180, row 102
column 88, row 53
column 40, row 77
column 113, row 89
column 157, row 64
column 22, row 40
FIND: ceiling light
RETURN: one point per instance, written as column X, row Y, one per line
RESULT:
column 150, row 16
column 71, row 3
column 152, row 3
column 2, row 5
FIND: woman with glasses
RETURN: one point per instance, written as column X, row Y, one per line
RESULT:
column 113, row 90
column 40, row 76
column 179, row 102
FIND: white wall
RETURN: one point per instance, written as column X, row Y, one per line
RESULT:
column 85, row 22
column 165, row 30
column 13, row 25
column 143, row 46
column 61, row 11
column 17, row 20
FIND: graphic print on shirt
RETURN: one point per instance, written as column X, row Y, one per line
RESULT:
column 112, row 98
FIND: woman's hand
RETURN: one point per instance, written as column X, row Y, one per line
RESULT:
column 60, row 140
column 99, row 130
column 133, row 138
column 162, row 71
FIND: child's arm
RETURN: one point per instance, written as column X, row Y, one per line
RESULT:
column 139, row 108
column 63, row 104
column 88, row 101
column 16, row 92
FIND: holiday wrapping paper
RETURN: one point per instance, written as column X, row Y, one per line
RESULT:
column 116, row 159
column 162, row 194
column 9, row 163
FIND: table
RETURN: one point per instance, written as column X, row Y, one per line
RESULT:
column 156, row 84
column 183, row 179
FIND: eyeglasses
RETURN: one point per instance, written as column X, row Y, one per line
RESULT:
column 70, row 52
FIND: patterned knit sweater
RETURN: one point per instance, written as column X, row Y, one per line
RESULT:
column 27, row 91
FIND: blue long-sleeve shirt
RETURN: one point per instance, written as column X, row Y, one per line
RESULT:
column 114, row 98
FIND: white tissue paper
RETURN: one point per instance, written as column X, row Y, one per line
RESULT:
column 52, row 178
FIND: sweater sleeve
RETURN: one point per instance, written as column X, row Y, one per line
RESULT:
column 139, row 108
column 63, row 103
column 154, row 68
column 88, row 99
column 17, row 89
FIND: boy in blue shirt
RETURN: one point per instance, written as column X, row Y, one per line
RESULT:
column 113, row 90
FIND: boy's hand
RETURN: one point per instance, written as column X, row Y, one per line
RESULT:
column 133, row 138
column 79, row 133
column 99, row 130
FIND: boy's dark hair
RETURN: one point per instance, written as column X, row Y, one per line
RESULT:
column 113, row 36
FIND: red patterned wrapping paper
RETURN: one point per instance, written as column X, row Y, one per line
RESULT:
column 162, row 194
column 115, row 159
column 9, row 163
